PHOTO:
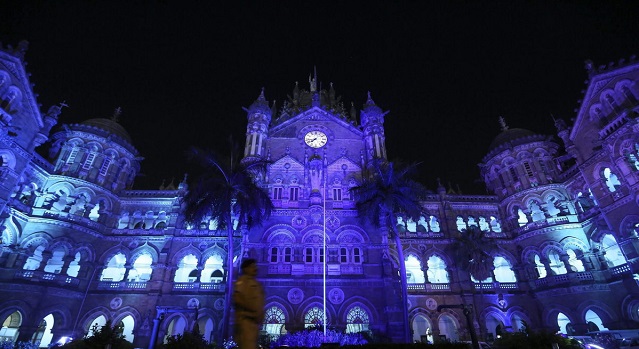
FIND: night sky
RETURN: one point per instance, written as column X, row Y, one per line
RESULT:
column 446, row 70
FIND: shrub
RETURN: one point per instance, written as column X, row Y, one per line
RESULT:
column 190, row 340
column 18, row 345
column 315, row 338
column 100, row 338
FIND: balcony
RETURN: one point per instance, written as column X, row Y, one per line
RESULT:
column 122, row 285
column 41, row 276
column 198, row 286
column 428, row 287
column 564, row 279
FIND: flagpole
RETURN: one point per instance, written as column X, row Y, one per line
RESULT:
column 324, row 252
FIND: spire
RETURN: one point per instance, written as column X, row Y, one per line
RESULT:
column 502, row 123
column 260, row 105
column 116, row 114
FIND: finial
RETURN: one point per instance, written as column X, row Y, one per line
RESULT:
column 261, row 97
column 116, row 114
column 502, row 123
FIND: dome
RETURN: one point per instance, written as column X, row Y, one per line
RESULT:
column 512, row 136
column 110, row 127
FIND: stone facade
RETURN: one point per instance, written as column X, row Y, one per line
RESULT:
column 80, row 247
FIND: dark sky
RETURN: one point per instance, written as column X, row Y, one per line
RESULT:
column 446, row 70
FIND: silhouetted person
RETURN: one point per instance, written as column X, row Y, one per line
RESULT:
column 248, row 299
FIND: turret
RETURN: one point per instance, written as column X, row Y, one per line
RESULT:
column 518, row 159
column 372, row 119
column 259, row 118
column 97, row 150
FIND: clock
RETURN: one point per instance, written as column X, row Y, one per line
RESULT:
column 315, row 139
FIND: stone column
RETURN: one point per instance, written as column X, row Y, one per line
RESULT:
column 546, row 263
column 565, row 259
column 67, row 261
column 46, row 255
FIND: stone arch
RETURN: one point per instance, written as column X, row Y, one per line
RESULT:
column 489, row 324
column 314, row 235
column 9, row 236
column 448, row 314
column 605, row 313
column 571, row 242
column 629, row 227
column 145, row 249
column 281, row 303
column 517, row 311
column 315, row 301
column 343, row 309
column 9, row 307
column 7, row 159
column 108, row 254
column 61, row 314
column 356, row 233
column 550, row 313
column 86, row 321
column 214, row 250
column 35, row 240
column 87, row 254
column 279, row 231
column 190, row 249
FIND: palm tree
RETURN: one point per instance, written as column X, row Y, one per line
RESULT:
column 386, row 192
column 226, row 190
column 473, row 252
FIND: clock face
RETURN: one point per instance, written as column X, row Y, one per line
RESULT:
column 315, row 139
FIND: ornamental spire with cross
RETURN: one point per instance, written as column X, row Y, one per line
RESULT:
column 116, row 114
column 502, row 122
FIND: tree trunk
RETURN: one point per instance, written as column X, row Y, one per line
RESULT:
column 402, row 276
column 228, row 297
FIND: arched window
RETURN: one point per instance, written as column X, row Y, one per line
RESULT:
column 141, row 271
column 448, row 328
column 594, row 321
column 422, row 328
column 434, row 224
column 541, row 268
column 74, row 266
column 274, row 320
column 115, row 269
column 213, row 269
column 437, row 272
column 96, row 324
column 494, row 326
column 612, row 252
column 611, row 180
column 128, row 325
column 495, row 225
column 461, row 225
column 564, row 324
column 522, row 219
column 483, row 225
column 575, row 262
column 357, row 320
column 177, row 326
column 503, row 270
column 314, row 317
column 517, row 323
column 186, row 266
column 556, row 264
column 10, row 327
column 207, row 328
column 414, row 272
column 55, row 263
column 43, row 335
column 33, row 262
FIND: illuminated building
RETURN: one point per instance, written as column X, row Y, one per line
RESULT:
column 80, row 247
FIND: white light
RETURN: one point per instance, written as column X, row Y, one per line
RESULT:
column 65, row 340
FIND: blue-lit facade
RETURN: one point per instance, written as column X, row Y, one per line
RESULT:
column 79, row 246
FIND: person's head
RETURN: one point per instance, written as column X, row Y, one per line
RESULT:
column 249, row 266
